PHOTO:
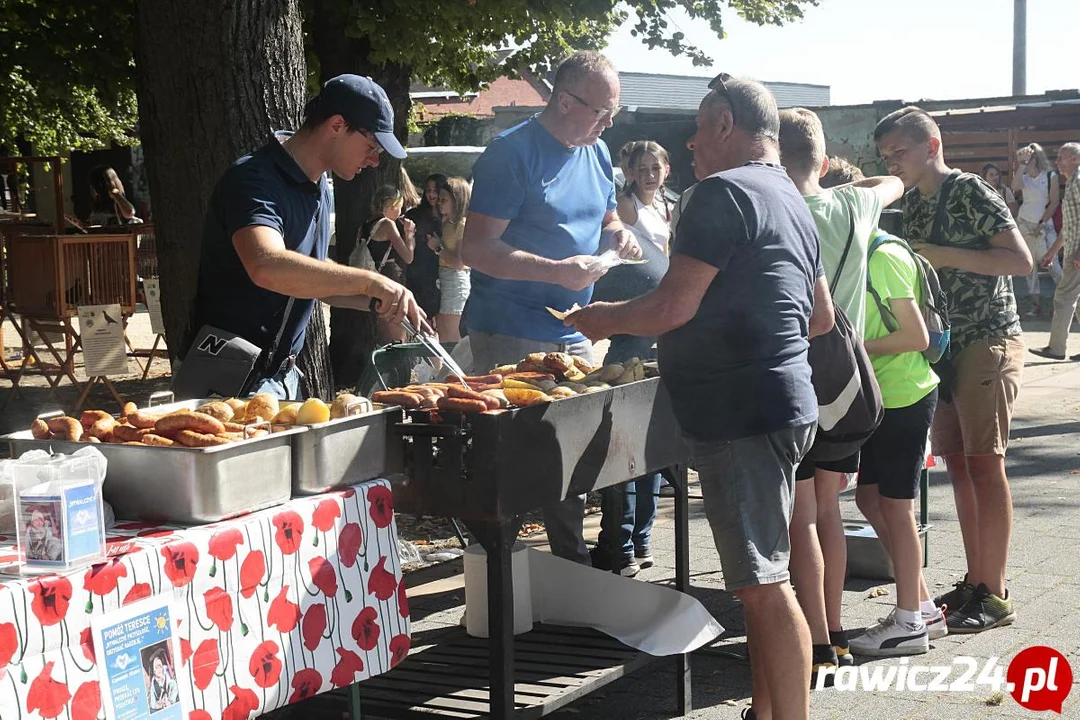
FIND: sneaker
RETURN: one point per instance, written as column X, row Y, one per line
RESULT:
column 822, row 657
column 935, row 623
column 984, row 611
column 892, row 638
column 957, row 597
column 643, row 556
column 601, row 560
column 839, row 640
column 748, row 714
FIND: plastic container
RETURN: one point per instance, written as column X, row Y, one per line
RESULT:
column 59, row 511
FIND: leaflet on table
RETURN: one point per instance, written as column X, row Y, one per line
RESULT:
column 138, row 662
column 59, row 509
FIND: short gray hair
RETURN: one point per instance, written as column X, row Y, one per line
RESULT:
column 576, row 68
column 752, row 105
column 1072, row 148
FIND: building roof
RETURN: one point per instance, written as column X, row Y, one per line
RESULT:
column 646, row 91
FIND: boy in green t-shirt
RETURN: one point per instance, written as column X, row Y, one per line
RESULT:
column 845, row 218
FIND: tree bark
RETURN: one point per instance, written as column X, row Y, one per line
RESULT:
column 214, row 79
column 338, row 53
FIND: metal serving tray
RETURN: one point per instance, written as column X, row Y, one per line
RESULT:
column 188, row 485
column 345, row 451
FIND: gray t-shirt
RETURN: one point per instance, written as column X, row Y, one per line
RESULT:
column 739, row 367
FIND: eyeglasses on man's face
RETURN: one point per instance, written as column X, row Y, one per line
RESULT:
column 601, row 113
column 719, row 85
column 376, row 149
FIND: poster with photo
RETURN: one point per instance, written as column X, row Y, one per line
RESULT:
column 43, row 529
column 138, row 662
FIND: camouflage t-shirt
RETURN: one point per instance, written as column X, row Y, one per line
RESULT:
column 980, row 306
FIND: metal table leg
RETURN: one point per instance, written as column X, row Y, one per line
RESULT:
column 682, row 578
column 354, row 702
column 497, row 539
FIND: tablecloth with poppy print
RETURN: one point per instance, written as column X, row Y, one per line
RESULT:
column 274, row 607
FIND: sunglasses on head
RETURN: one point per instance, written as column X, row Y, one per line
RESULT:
column 719, row 85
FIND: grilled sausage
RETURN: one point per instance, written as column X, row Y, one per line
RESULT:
column 157, row 440
column 102, row 428
column 464, row 405
column 460, row 392
column 142, row 419
column 89, row 417
column 66, row 428
column 128, row 409
column 40, row 429
column 128, row 433
column 471, row 380
column 191, row 438
column 198, row 422
column 397, row 397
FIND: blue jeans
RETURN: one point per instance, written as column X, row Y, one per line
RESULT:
column 629, row 510
column 285, row 384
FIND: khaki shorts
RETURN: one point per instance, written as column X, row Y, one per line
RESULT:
column 976, row 422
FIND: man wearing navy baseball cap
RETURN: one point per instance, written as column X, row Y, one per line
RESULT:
column 267, row 235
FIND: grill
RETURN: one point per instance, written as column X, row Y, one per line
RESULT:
column 489, row 470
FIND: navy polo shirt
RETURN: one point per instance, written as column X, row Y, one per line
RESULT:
column 264, row 188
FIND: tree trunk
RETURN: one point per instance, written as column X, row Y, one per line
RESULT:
column 338, row 53
column 214, row 79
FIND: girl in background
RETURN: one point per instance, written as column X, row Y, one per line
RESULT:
column 991, row 173
column 391, row 242
column 111, row 207
column 454, row 282
column 423, row 276
column 1034, row 178
column 642, row 208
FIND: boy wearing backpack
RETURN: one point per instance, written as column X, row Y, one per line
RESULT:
column 963, row 227
column 845, row 218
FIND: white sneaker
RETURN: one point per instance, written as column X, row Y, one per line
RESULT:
column 891, row 638
column 936, row 628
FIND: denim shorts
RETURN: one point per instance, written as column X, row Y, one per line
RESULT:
column 454, row 288
column 748, row 486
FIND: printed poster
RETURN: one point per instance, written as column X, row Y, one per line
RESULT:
column 139, row 661
column 101, row 328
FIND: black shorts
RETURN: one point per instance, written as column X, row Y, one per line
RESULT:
column 895, row 455
column 806, row 468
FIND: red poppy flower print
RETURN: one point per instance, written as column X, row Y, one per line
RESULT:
column 381, row 583
column 323, row 575
column 366, row 630
column 137, row 592
column 381, row 505
column 325, row 514
column 185, row 650
column 265, row 666
column 349, row 542
column 313, row 626
column 223, row 543
column 219, row 608
column 283, row 613
column 345, row 671
column 86, row 642
column 102, row 579
column 290, row 530
column 46, row 695
column 305, row 684
column 251, row 573
column 9, row 643
column 51, row 597
column 199, row 715
column 138, row 525
column 181, row 558
column 243, row 704
column 155, row 533
column 86, row 704
column 204, row 663
column 399, row 649
column 402, row 600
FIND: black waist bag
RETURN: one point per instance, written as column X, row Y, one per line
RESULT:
column 219, row 362
column 849, row 399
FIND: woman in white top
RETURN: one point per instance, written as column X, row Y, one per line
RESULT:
column 642, row 207
column 1036, row 182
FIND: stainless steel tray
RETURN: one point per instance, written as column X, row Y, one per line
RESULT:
column 342, row 452
column 188, row 485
